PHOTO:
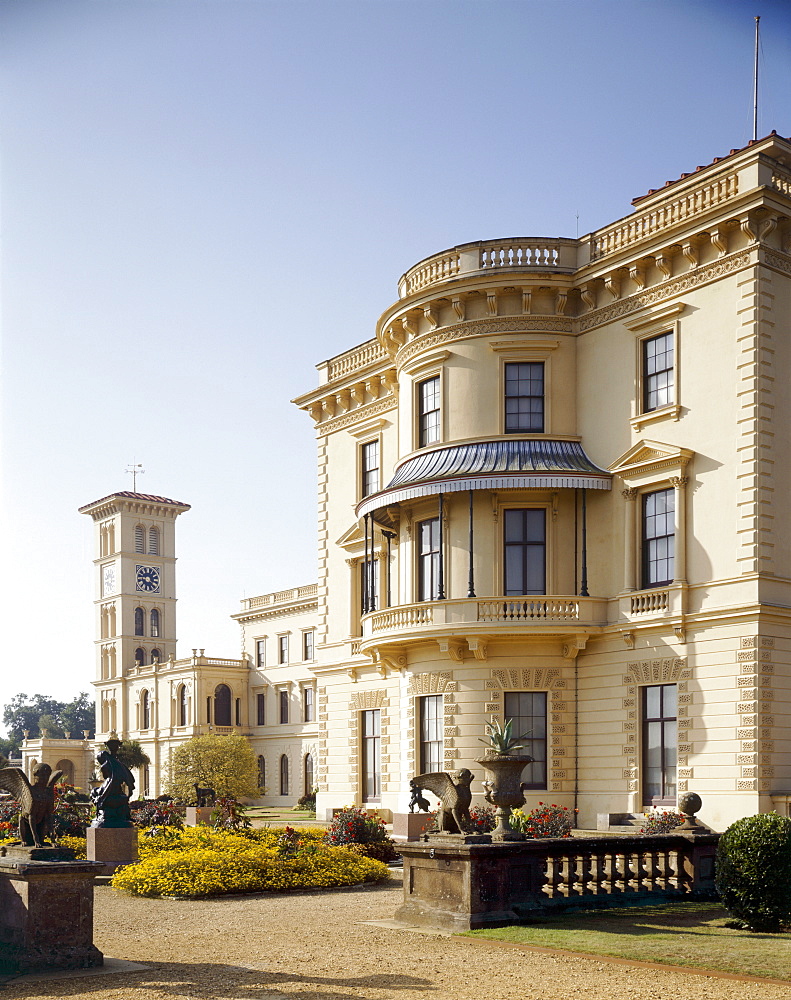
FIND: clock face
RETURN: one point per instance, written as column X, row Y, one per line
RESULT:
column 147, row 579
column 108, row 580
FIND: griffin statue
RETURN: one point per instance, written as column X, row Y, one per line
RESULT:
column 455, row 796
column 37, row 801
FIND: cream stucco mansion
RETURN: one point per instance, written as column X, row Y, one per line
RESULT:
column 554, row 487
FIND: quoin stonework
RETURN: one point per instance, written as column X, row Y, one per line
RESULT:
column 553, row 487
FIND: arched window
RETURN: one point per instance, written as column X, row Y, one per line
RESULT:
column 222, row 705
column 182, row 705
column 154, row 624
column 140, row 656
column 284, row 775
column 261, row 774
column 67, row 767
column 140, row 619
column 153, row 541
column 156, row 656
column 308, row 774
column 145, row 710
column 140, row 538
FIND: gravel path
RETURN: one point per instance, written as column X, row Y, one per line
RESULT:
column 315, row 945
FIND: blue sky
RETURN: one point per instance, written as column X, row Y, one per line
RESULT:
column 202, row 199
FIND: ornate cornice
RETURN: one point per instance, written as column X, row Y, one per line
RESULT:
column 364, row 412
column 780, row 262
column 284, row 610
column 667, row 289
column 482, row 328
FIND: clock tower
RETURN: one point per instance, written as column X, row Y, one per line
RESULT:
column 135, row 603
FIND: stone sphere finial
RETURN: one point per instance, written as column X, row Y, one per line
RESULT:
column 688, row 804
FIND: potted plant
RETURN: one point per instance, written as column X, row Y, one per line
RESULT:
column 503, row 766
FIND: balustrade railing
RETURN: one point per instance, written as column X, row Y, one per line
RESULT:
column 520, row 253
column 649, row 602
column 521, row 611
column 526, row 610
column 614, row 870
column 493, row 884
column 405, row 617
column 536, row 253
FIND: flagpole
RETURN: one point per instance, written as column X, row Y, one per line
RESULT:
column 755, row 83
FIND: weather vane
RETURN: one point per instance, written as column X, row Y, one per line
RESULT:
column 136, row 469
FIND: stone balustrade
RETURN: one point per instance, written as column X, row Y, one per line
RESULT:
column 525, row 253
column 460, row 886
column 538, row 612
column 280, row 597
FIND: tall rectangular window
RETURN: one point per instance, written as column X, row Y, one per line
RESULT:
column 524, row 542
column 369, row 454
column 260, row 709
column 658, row 372
column 428, row 403
column 524, row 397
column 283, row 707
column 428, row 560
column 282, row 649
column 308, row 714
column 307, row 646
column 528, row 713
column 371, row 732
column 431, row 717
column 260, row 653
column 660, row 743
column 369, row 586
column 659, row 514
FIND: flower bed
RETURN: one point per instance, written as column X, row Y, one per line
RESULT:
column 545, row 821
column 201, row 862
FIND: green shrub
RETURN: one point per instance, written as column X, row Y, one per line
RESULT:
column 754, row 871
column 383, row 850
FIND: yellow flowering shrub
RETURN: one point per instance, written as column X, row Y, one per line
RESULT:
column 77, row 844
column 210, row 863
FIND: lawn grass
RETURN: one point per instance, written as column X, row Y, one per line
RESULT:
column 689, row 934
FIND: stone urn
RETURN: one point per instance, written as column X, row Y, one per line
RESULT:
column 503, row 787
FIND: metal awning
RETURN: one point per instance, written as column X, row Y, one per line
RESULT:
column 534, row 463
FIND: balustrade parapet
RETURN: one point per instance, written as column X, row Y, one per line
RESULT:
column 514, row 253
column 489, row 614
column 456, row 886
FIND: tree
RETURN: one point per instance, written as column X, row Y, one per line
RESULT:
column 132, row 754
column 79, row 715
column 24, row 712
column 225, row 763
column 48, row 726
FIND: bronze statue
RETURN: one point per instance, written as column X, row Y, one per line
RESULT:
column 110, row 798
column 455, row 796
column 204, row 796
column 37, row 801
column 417, row 799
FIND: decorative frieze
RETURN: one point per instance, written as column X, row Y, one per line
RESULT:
column 667, row 289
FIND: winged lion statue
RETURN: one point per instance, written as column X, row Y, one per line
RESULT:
column 454, row 793
column 37, row 801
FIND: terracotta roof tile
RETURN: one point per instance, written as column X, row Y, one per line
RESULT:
column 717, row 159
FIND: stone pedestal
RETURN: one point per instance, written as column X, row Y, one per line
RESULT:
column 198, row 814
column 115, row 847
column 46, row 915
column 410, row 826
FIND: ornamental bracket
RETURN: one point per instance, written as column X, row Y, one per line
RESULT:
column 453, row 647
